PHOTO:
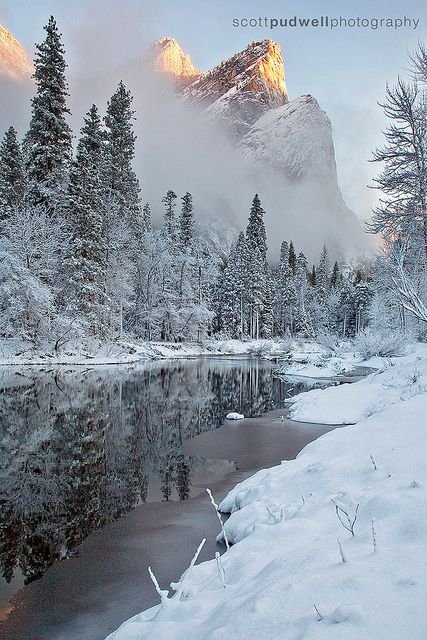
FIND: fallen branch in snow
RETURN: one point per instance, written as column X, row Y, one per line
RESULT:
column 343, row 558
column 319, row 615
column 343, row 514
column 276, row 519
column 214, row 504
column 373, row 461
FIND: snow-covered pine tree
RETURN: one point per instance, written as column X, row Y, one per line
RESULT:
column 324, row 301
column 48, row 141
column 303, row 322
column 85, row 263
column 169, row 200
column 146, row 217
column 292, row 258
column 120, row 179
column 284, row 298
column 313, row 276
column 186, row 222
column 123, row 217
column 258, row 276
column 362, row 301
column 231, row 291
column 322, row 282
column 336, row 275
column 284, row 252
column 346, row 313
column 12, row 176
column 255, row 231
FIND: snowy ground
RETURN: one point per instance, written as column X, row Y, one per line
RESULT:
column 287, row 576
column 17, row 352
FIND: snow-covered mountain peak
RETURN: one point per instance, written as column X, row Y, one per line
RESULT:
column 239, row 90
column 166, row 56
column 14, row 61
column 296, row 139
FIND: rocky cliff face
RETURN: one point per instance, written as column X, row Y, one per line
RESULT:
column 240, row 90
column 14, row 62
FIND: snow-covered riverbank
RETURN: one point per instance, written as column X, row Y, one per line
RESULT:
column 92, row 352
column 288, row 576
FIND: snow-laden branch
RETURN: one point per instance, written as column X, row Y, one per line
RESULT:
column 408, row 295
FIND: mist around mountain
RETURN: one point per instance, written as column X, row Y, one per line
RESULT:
column 204, row 132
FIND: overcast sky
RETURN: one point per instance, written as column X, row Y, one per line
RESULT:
column 345, row 69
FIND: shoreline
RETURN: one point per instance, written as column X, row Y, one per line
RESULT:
column 130, row 353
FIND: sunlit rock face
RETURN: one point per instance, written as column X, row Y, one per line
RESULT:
column 167, row 57
column 14, row 62
column 240, row 90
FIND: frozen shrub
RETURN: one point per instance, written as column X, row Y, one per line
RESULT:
column 25, row 301
column 328, row 340
column 285, row 344
column 261, row 348
column 370, row 343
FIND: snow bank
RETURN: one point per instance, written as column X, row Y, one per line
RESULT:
column 287, row 560
column 399, row 379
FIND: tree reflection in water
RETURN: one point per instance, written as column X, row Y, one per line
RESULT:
column 79, row 448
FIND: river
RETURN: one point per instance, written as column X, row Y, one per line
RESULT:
column 104, row 471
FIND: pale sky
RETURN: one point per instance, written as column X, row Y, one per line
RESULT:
column 345, row 69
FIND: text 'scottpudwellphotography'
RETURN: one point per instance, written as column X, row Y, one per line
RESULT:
column 213, row 320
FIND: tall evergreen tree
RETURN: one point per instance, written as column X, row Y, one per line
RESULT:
column 12, row 176
column 123, row 214
column 335, row 276
column 258, row 277
column 292, row 258
column 284, row 252
column 146, row 217
column 86, row 262
column 232, row 291
column 362, row 301
column 313, row 276
column 120, row 178
column 186, row 221
column 285, row 293
column 255, row 231
column 169, row 200
column 303, row 323
column 48, row 141
column 323, row 274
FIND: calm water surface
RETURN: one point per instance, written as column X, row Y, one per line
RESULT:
column 80, row 448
